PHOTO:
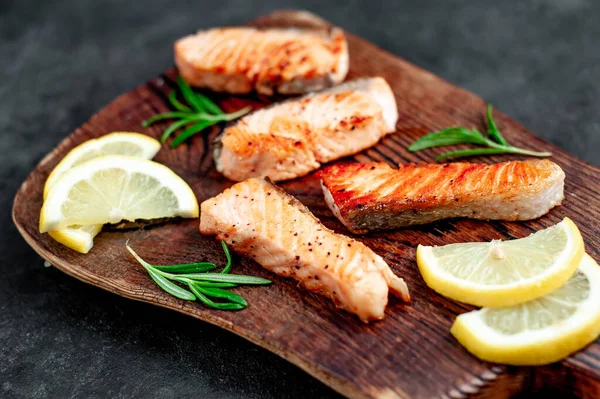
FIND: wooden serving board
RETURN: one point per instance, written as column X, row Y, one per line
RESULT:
column 410, row 354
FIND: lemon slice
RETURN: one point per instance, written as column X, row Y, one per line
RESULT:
column 503, row 273
column 114, row 188
column 537, row 332
column 118, row 143
column 79, row 238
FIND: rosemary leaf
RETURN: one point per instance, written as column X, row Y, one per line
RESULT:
column 160, row 280
column 190, row 97
column 441, row 142
column 472, row 152
column 199, row 267
column 174, row 126
column 208, row 104
column 205, row 121
column 205, row 300
column 176, row 104
column 222, row 294
column 224, row 278
column 227, row 267
column 170, row 287
column 493, row 150
column 192, row 130
column 165, row 115
column 492, row 129
column 215, row 285
column 450, row 136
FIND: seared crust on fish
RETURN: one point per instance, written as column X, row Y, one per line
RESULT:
column 242, row 59
column 374, row 196
column 263, row 222
column 293, row 138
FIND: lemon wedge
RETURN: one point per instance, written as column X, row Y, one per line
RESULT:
column 114, row 188
column 81, row 238
column 78, row 238
column 537, row 332
column 118, row 143
column 504, row 273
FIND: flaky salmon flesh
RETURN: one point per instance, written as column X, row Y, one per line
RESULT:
column 263, row 222
column 242, row 59
column 293, row 138
column 374, row 196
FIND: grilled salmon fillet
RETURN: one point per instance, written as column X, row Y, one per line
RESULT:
column 374, row 196
column 242, row 59
column 292, row 138
column 263, row 222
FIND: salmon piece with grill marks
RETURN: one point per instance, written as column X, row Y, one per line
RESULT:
column 278, row 60
column 290, row 139
column 374, row 196
column 263, row 222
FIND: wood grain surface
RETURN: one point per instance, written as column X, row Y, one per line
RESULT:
column 410, row 354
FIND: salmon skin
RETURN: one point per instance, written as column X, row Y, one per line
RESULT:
column 242, row 59
column 374, row 196
column 263, row 222
column 293, row 138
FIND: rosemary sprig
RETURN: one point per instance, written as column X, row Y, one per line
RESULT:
column 200, row 113
column 492, row 129
column 494, row 140
column 202, row 285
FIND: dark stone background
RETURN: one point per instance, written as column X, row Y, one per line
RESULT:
column 536, row 60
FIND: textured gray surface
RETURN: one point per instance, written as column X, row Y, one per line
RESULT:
column 538, row 61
